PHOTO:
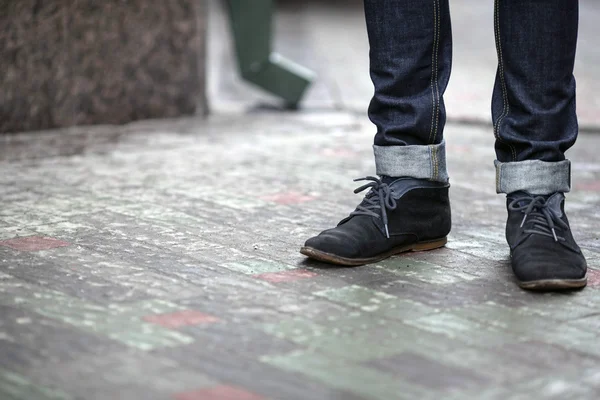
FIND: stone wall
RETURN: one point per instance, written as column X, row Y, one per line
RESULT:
column 79, row 62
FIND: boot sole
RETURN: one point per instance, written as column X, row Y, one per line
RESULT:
column 354, row 262
column 554, row 284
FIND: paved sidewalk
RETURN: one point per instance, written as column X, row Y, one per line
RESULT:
column 159, row 260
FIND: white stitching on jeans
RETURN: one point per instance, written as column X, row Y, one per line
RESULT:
column 437, row 53
column 433, row 79
column 506, row 106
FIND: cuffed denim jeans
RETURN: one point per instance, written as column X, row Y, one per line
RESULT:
column 533, row 102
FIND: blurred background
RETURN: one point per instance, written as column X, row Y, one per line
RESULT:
column 72, row 62
column 329, row 37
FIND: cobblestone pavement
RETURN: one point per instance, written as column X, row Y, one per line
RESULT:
column 159, row 260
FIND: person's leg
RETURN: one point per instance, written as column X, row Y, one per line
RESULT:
column 535, row 122
column 408, row 207
column 410, row 59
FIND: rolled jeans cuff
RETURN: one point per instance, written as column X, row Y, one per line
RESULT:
column 420, row 162
column 533, row 177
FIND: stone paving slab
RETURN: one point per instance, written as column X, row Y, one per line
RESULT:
column 159, row 260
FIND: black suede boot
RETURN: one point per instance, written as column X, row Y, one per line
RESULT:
column 405, row 215
column 543, row 252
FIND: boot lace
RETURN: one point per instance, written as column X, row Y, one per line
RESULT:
column 540, row 218
column 377, row 201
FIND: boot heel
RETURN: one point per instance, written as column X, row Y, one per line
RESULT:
column 430, row 245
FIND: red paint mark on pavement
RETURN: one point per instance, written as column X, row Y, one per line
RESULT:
column 288, row 198
column 33, row 243
column 219, row 393
column 286, row 276
column 593, row 277
column 589, row 186
column 180, row 318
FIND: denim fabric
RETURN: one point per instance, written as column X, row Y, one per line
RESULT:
column 533, row 102
column 410, row 57
column 420, row 162
column 533, row 176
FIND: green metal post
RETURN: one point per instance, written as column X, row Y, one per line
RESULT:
column 251, row 22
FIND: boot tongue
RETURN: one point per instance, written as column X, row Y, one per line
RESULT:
column 526, row 196
column 554, row 203
column 401, row 186
column 388, row 179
